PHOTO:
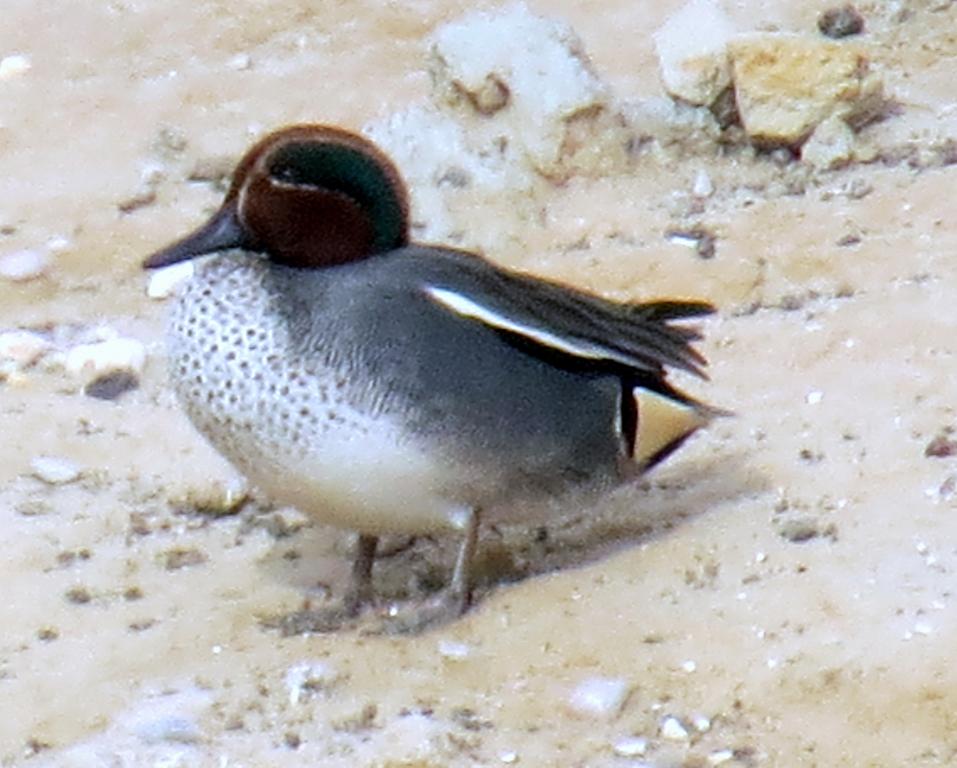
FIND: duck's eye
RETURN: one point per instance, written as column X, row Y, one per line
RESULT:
column 285, row 173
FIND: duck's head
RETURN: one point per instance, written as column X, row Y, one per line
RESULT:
column 306, row 196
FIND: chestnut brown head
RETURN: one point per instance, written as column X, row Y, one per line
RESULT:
column 305, row 196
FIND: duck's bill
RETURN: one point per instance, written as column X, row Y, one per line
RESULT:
column 222, row 232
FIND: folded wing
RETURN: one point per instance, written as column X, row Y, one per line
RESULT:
column 637, row 337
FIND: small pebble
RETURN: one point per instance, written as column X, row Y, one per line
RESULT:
column 308, row 677
column 239, row 62
column 14, row 65
column 509, row 757
column 672, row 729
column 703, row 186
column 814, row 397
column 141, row 625
column 630, row 746
column 33, row 507
column 78, row 595
column 110, row 385
column 23, row 348
column 168, row 729
column 163, row 282
column 599, row 696
column 720, row 757
column 701, row 723
column 800, row 529
column 840, row 22
column 54, row 470
column 20, row 266
column 183, row 557
column 152, row 174
column 119, row 354
column 357, row 719
column 453, row 650
column 169, row 142
column 58, row 244
column 698, row 238
column 689, row 666
column 213, row 169
column 224, row 499
column 140, row 199
column 941, row 447
column 923, row 628
column 166, row 718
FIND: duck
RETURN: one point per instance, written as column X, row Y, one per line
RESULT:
column 386, row 386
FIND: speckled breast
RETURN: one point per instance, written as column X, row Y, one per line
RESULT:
column 287, row 422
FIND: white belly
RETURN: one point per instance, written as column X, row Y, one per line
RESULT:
column 369, row 482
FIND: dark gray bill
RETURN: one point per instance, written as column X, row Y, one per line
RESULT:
column 220, row 233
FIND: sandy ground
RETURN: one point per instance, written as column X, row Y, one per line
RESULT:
column 780, row 593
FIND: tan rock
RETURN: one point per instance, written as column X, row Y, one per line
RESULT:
column 787, row 84
column 830, row 146
column 692, row 52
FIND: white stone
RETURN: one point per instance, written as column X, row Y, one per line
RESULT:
column 118, row 354
column 528, row 77
column 55, row 470
column 59, row 243
column 720, row 757
column 240, row 62
column 166, row 717
column 23, row 348
column 814, row 397
column 164, row 282
column 701, row 723
column 20, row 266
column 14, row 65
column 703, row 186
column 599, row 696
column 692, row 52
column 630, row 746
column 435, row 154
column 168, row 728
column 673, row 730
column 453, row 650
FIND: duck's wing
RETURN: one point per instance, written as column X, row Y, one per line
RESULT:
column 639, row 337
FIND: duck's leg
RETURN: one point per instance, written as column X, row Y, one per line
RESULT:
column 360, row 589
column 453, row 601
column 359, row 593
column 459, row 592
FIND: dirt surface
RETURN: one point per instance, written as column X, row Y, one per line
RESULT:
column 779, row 593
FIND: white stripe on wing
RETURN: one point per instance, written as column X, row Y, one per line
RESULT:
column 465, row 306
